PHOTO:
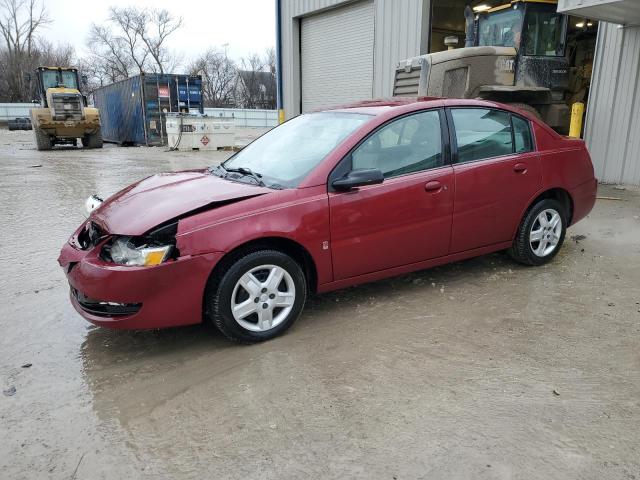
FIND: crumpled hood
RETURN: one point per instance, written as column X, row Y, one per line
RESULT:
column 163, row 197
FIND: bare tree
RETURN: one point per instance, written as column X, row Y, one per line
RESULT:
column 47, row 53
column 271, row 66
column 132, row 41
column 127, row 38
column 218, row 77
column 256, row 83
column 270, row 60
column 19, row 22
column 109, row 59
column 154, row 26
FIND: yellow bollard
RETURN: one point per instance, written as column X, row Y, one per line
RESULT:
column 577, row 111
column 280, row 116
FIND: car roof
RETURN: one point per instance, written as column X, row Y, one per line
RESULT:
column 386, row 105
column 381, row 105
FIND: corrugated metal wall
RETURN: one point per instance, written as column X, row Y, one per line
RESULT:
column 246, row 117
column 336, row 49
column 9, row 111
column 401, row 31
column 612, row 128
column 242, row 117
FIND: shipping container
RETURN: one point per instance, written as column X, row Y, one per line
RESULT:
column 134, row 111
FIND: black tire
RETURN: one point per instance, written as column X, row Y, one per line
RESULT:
column 43, row 140
column 93, row 140
column 527, row 108
column 522, row 250
column 219, row 295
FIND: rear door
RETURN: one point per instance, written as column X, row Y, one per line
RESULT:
column 407, row 218
column 497, row 171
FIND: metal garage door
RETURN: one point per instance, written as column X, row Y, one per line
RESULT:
column 336, row 56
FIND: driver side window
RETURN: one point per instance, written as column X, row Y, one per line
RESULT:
column 410, row 144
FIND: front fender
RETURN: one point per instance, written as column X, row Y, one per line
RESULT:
column 300, row 215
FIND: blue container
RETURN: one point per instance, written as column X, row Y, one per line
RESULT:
column 134, row 111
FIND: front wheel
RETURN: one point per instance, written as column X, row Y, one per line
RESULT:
column 93, row 140
column 43, row 140
column 541, row 233
column 258, row 297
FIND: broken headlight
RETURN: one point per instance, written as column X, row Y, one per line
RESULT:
column 145, row 251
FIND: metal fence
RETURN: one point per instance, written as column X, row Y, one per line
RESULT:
column 241, row 117
column 246, row 117
column 14, row 110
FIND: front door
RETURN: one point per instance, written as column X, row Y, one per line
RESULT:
column 407, row 218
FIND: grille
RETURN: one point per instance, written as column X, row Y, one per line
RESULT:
column 67, row 106
column 104, row 309
column 455, row 82
column 406, row 83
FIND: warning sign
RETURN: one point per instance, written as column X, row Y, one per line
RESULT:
column 163, row 91
column 204, row 140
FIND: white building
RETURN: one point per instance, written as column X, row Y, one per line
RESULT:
column 612, row 128
column 336, row 51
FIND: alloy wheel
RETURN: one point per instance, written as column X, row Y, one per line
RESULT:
column 545, row 232
column 263, row 297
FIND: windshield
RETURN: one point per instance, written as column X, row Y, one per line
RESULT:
column 52, row 79
column 70, row 80
column 500, row 29
column 544, row 32
column 49, row 79
column 286, row 154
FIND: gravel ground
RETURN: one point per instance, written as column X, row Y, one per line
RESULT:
column 481, row 369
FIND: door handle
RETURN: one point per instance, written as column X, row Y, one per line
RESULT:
column 520, row 167
column 433, row 186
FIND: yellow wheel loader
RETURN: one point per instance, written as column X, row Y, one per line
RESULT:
column 63, row 116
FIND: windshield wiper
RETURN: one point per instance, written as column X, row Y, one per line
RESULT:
column 247, row 172
column 218, row 170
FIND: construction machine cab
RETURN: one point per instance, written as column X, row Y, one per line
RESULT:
column 514, row 53
column 538, row 33
column 57, row 77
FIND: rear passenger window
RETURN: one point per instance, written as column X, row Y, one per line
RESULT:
column 522, row 135
column 481, row 133
column 407, row 145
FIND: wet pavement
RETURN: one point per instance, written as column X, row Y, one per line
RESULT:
column 480, row 369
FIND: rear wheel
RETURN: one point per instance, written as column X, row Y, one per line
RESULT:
column 258, row 297
column 93, row 140
column 541, row 233
column 527, row 108
column 43, row 140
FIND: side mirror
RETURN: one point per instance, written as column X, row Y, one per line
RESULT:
column 358, row 178
column 84, row 79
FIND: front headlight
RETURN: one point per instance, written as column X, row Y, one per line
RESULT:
column 129, row 251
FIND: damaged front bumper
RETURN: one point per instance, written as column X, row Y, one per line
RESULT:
column 109, row 295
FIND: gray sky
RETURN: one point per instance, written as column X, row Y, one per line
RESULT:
column 246, row 25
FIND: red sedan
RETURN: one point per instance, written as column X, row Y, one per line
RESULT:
column 327, row 200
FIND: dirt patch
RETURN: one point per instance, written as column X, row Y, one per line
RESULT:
column 480, row 369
